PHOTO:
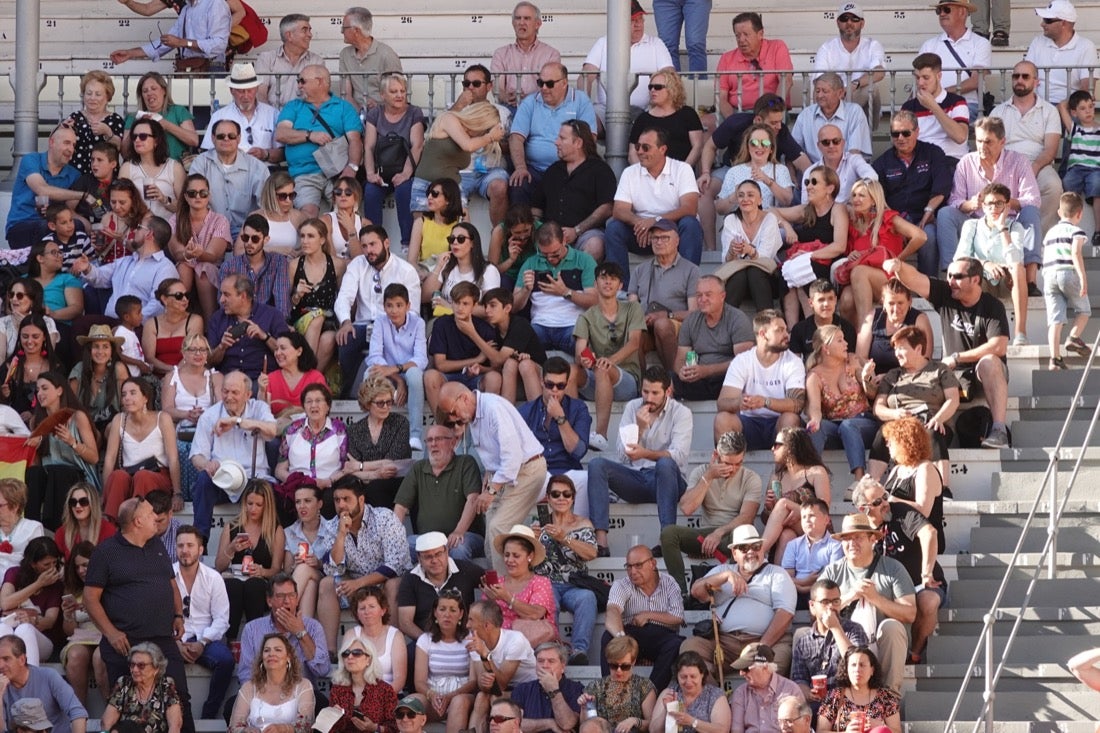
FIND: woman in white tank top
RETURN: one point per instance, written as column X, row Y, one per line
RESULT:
column 276, row 699
column 277, row 206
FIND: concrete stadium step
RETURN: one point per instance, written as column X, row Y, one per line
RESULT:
column 1011, row 486
column 1038, row 433
column 965, row 725
column 1039, row 706
column 980, row 593
column 1003, row 539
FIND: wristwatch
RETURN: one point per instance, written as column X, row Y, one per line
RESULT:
column 560, row 419
column 354, row 167
column 768, row 402
column 299, row 635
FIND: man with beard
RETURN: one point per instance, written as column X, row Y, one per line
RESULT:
column 765, row 387
column 205, row 617
column 268, row 271
column 137, row 274
column 754, row 601
column 909, row 538
column 364, row 282
column 650, row 469
column 256, row 118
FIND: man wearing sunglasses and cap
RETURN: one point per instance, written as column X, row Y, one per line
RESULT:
column 1060, row 46
column 849, row 49
column 410, row 715
column 877, row 593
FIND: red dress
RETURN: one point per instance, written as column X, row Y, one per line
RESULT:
column 377, row 704
column 106, row 529
column 890, row 244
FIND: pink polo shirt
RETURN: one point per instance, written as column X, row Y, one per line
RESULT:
column 774, row 55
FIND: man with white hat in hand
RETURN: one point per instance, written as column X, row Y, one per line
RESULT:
column 257, row 119
column 754, row 600
column 876, row 592
column 1060, row 47
column 860, row 61
column 230, row 430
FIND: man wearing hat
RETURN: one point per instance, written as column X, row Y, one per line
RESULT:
column 960, row 48
column 656, row 194
column 850, row 50
column 410, row 714
column 754, row 600
column 235, row 180
column 436, row 571
column 28, row 714
column 41, row 688
column 753, row 707
column 875, row 592
column 647, row 55
column 256, row 118
column 1060, row 47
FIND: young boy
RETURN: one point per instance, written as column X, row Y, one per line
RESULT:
column 1064, row 281
column 520, row 354
column 1083, row 167
column 455, row 356
column 97, row 183
column 62, row 224
column 399, row 352
column 823, row 302
column 128, row 310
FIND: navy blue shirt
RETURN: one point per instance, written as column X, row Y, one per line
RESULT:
column 558, row 459
column 729, row 134
column 446, row 339
column 137, row 582
column 537, row 705
column 247, row 353
column 908, row 188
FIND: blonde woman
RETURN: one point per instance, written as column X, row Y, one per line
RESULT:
column 344, row 221
column 314, row 282
column 255, row 534
column 451, row 140
column 94, row 122
column 283, row 220
column 276, row 699
column 668, row 110
column 82, row 519
column 758, row 161
column 191, row 386
column 384, row 125
column 359, row 690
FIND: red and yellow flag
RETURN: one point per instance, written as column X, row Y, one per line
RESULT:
column 15, row 456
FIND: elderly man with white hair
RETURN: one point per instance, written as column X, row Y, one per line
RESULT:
column 752, row 705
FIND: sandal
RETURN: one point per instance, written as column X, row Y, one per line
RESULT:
column 999, row 39
column 1057, row 364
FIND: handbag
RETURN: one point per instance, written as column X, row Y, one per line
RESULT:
column 191, row 65
column 332, row 157
column 537, row 631
column 600, row 588
column 149, row 464
column 390, row 155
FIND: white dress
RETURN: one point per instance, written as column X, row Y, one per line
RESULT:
column 164, row 179
column 284, row 238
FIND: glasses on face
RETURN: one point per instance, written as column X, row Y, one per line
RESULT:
column 657, row 87
column 139, row 666
column 459, row 238
column 829, row 142
column 957, row 276
column 197, row 194
column 18, row 295
column 79, row 501
column 549, row 84
column 754, row 547
column 142, row 136
column 434, row 193
column 872, row 505
column 227, row 136
column 498, row 719
column 827, row 602
column 637, row 565
column 559, row 494
column 813, row 181
column 52, row 252
column 553, row 385
column 943, row 10
column 252, row 238
column 343, row 192
column 301, row 80
column 1021, row 76
column 997, row 204
column 287, row 196
column 383, row 403
column 901, row 133
column 404, row 714
column 760, row 142
column 196, row 350
column 353, row 653
column 621, row 666
column 1050, row 21
column 475, row 83
column 849, row 18
column 643, row 147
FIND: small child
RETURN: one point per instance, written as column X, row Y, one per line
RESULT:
column 1064, row 281
column 399, row 352
column 128, row 310
column 62, row 223
column 1083, row 164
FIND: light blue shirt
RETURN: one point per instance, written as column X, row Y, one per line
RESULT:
column 390, row 345
column 805, row 559
column 501, row 437
column 134, row 275
column 850, row 118
column 235, row 190
column 540, row 124
column 326, row 538
column 207, row 23
column 235, row 444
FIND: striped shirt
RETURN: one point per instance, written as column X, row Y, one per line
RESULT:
column 931, row 131
column 632, row 600
column 1084, row 147
column 1058, row 245
column 445, row 658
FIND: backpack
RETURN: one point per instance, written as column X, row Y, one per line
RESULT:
column 390, row 153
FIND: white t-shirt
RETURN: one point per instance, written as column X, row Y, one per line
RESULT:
column 649, row 196
column 647, row 55
column 747, row 374
column 832, row 56
column 1080, row 51
column 131, row 347
column 513, row 646
column 975, row 51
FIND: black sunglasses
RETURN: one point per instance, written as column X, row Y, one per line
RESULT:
column 623, row 667
column 559, row 494
column 290, row 196
column 901, row 133
column 187, row 606
column 553, row 385
column 353, row 653
column 252, row 238
column 177, row 296
column 460, row 238
column 402, row 713
column 657, row 87
column 849, row 18
column 549, row 84
column 226, row 136
column 475, row 83
column 79, row 501
column 143, row 136
column 197, row 194
column 874, row 504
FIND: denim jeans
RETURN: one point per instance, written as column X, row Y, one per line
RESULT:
column 854, row 434
column 414, row 382
column 581, row 602
column 619, row 241
column 663, row 484
column 928, row 256
column 694, row 16
column 351, row 361
column 555, row 337
column 204, row 497
column 374, row 196
column 219, row 660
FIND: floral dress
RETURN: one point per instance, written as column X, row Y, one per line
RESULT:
column 561, row 561
column 838, row 707
column 617, row 701
column 153, row 715
column 703, row 704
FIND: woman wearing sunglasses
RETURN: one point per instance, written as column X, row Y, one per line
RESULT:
column 24, row 298
column 200, row 237
column 283, row 220
column 800, row 474
column 344, row 221
column 276, row 699
column 378, row 444
column 465, row 262
column 162, row 336
column 757, row 161
column 450, row 143
column 157, row 176
column 314, row 282
column 668, row 111
column 622, row 698
column 430, row 231
column 359, row 690
column 82, row 519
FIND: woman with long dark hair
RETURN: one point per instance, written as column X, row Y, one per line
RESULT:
column 512, row 242
column 200, row 237
column 859, row 694
column 24, row 298
column 97, row 378
column 162, row 336
column 297, row 369
column 430, row 231
column 80, row 656
column 463, row 262
column 444, row 677
column 32, row 593
column 33, row 356
column 800, row 474
column 120, row 225
column 158, row 176
column 62, row 292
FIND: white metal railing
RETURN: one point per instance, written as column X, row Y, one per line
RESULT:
column 1047, row 561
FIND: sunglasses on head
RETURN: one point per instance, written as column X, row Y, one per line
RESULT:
column 460, row 238
column 287, row 196
column 559, row 494
column 79, row 501
column 143, row 136
column 475, row 83
column 657, row 87
column 252, row 238
column 226, row 136
column 197, row 193
column 901, row 133
column 549, row 84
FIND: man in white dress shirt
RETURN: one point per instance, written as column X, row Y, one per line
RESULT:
column 257, row 119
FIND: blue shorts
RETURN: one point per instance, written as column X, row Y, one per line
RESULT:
column 478, row 181
column 625, row 389
column 469, row 380
column 759, row 432
column 1083, row 180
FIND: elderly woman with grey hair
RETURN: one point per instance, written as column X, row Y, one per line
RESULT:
column 148, row 696
column 359, row 690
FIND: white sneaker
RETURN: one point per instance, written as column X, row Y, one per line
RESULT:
column 596, row 441
column 416, row 444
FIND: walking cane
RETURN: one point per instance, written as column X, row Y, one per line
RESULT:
column 719, row 655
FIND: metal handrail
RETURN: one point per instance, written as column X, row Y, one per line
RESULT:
column 1049, row 485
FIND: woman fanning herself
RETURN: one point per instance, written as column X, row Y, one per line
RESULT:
column 141, row 453
column 162, row 336
column 799, row 474
column 875, row 234
column 200, row 237
column 344, row 221
column 314, row 282
column 837, row 399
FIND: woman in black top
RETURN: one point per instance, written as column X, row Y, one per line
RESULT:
column 378, row 444
column 314, row 283
column 668, row 111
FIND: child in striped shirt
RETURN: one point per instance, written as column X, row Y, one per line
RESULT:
column 1083, row 164
column 1064, row 281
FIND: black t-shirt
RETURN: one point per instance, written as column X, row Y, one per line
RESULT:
column 137, row 586
column 453, row 344
column 416, row 592
column 522, row 338
column 965, row 328
column 728, row 135
column 900, row 542
column 569, row 198
column 802, row 335
column 678, row 125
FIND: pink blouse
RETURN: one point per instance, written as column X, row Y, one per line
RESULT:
column 537, row 592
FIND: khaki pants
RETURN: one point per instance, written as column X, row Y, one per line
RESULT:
column 513, row 505
column 733, row 644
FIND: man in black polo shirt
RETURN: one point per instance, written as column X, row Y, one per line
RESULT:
column 131, row 594
column 435, row 572
column 578, row 191
column 768, row 110
column 916, row 179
